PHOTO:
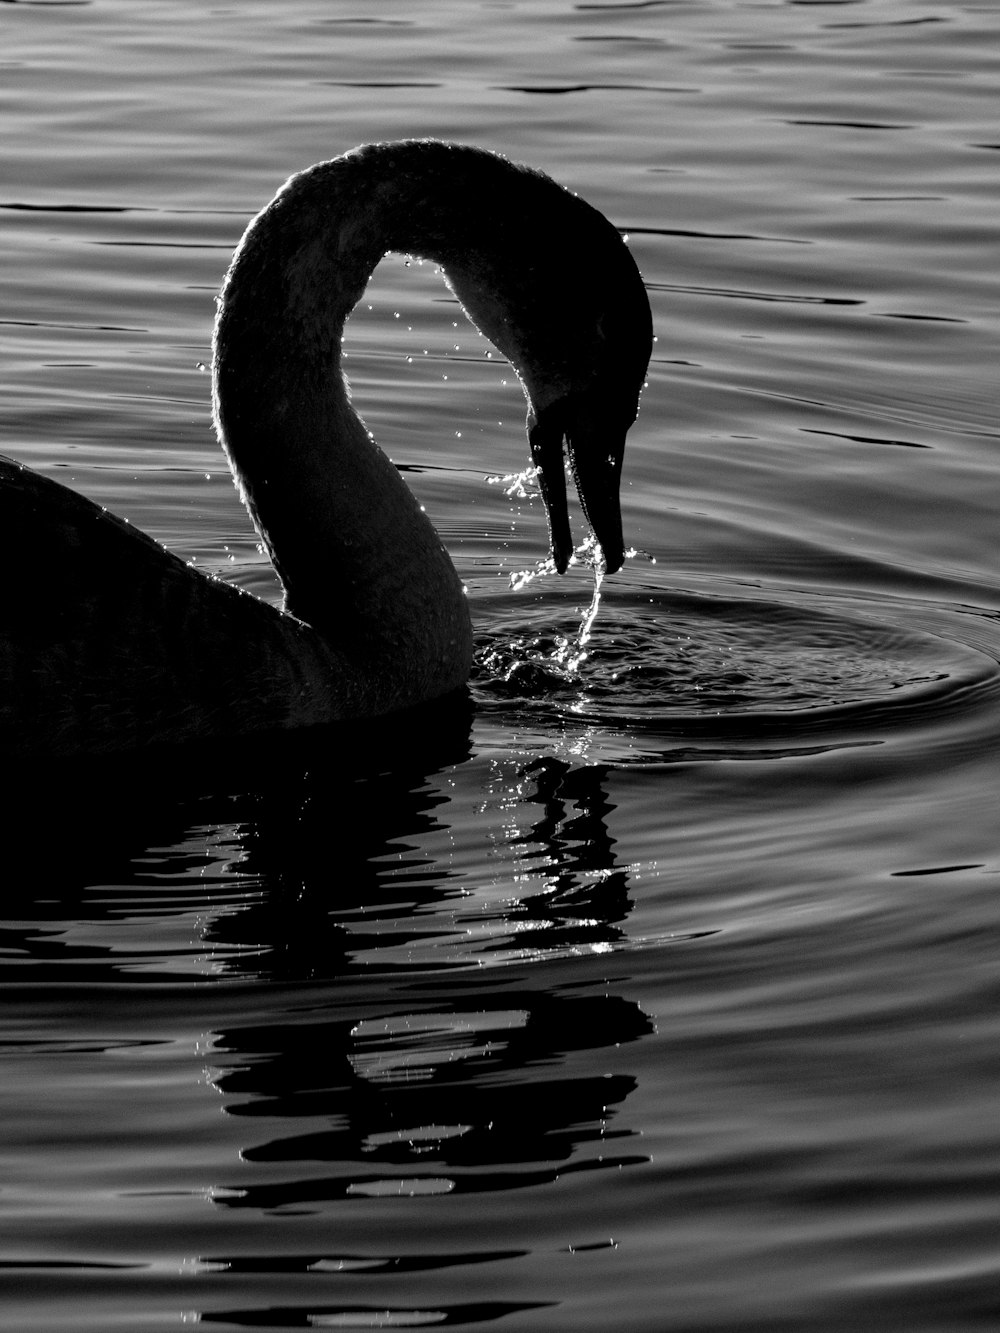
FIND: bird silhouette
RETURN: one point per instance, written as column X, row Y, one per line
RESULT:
column 110, row 643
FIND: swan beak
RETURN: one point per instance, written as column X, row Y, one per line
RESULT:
column 545, row 439
column 596, row 462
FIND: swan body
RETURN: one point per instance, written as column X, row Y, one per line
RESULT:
column 110, row 643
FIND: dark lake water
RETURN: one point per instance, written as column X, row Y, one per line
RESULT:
column 657, row 994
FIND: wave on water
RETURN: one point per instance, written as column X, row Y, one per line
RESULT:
column 731, row 670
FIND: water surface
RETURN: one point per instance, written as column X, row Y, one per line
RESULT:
column 662, row 993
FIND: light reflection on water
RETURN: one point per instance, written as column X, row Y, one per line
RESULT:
column 658, row 991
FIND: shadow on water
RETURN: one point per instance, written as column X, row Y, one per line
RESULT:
column 348, row 879
column 440, row 1099
column 376, row 1027
column 312, row 855
column 86, row 819
column 433, row 1073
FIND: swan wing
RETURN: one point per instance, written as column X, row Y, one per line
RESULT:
column 109, row 642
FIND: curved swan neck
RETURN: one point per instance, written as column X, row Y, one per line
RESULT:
column 358, row 558
column 541, row 273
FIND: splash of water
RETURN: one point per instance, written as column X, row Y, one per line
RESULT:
column 525, row 576
column 518, row 485
column 570, row 651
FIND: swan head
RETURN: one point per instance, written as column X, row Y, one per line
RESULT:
column 586, row 402
column 581, row 347
column 554, row 286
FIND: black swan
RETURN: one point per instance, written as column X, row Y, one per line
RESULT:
column 109, row 643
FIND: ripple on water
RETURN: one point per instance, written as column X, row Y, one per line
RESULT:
column 730, row 669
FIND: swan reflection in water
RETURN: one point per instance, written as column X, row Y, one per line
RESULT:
column 426, row 1072
column 112, row 644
